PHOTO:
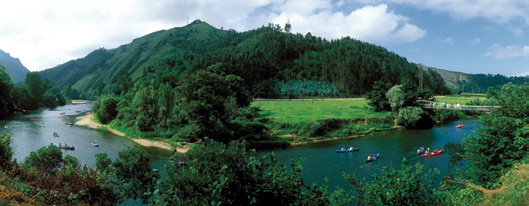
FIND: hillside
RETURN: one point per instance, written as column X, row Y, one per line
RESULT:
column 14, row 67
column 262, row 57
column 473, row 83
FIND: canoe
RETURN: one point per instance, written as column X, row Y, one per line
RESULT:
column 432, row 153
column 68, row 148
column 347, row 150
column 374, row 158
column 460, row 126
column 33, row 119
column 56, row 135
column 63, row 113
column 95, row 145
column 69, row 123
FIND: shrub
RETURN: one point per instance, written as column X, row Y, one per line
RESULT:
column 6, row 151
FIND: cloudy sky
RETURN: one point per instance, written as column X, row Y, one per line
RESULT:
column 472, row 36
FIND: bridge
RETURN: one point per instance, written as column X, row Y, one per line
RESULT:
column 437, row 105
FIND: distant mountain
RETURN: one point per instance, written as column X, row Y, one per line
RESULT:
column 14, row 67
column 474, row 83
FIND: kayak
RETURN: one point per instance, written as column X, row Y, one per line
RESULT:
column 432, row 153
column 33, row 119
column 374, row 158
column 460, row 126
column 68, row 148
column 347, row 150
column 95, row 145
column 56, row 135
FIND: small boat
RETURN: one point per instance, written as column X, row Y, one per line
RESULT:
column 347, row 150
column 181, row 162
column 432, row 153
column 95, row 145
column 55, row 135
column 374, row 157
column 67, row 148
column 78, row 111
column 62, row 113
column 33, row 119
column 69, row 123
column 460, row 126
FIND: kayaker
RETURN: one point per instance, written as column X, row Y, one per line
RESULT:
column 343, row 149
column 59, row 144
column 351, row 148
column 94, row 142
column 369, row 157
column 418, row 151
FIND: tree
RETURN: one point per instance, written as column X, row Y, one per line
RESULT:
column 45, row 159
column 229, row 175
column 135, row 178
column 377, row 96
column 209, row 101
column 6, row 93
column 410, row 185
column 409, row 116
column 6, row 151
column 36, row 88
column 395, row 97
column 106, row 109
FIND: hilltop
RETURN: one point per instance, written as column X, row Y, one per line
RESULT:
column 14, row 67
column 267, row 58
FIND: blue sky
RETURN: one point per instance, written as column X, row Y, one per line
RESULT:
column 471, row 36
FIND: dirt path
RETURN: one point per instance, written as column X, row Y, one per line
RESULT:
column 86, row 120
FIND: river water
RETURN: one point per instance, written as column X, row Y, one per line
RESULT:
column 320, row 159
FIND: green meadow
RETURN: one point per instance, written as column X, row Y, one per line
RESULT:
column 308, row 119
column 462, row 99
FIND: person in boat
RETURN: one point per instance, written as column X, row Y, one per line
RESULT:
column 369, row 157
column 60, row 145
column 343, row 149
column 94, row 142
column 374, row 155
column 65, row 145
column 350, row 148
column 418, row 151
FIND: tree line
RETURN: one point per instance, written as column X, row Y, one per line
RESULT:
column 34, row 94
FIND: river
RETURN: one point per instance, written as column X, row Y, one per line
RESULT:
column 320, row 159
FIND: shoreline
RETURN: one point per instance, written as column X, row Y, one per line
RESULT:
column 86, row 120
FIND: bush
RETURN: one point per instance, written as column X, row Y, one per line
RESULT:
column 6, row 151
column 45, row 159
column 106, row 110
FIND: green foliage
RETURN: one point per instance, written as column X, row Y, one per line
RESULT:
column 135, row 177
column 45, row 159
column 300, row 88
column 395, row 97
column 502, row 140
column 6, row 151
column 377, row 97
column 36, row 88
column 6, row 92
column 410, row 185
column 103, row 162
column 229, row 175
column 409, row 116
column 106, row 108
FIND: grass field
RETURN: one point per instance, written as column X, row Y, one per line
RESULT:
column 293, row 112
column 463, row 99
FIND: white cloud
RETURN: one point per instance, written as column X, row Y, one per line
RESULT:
column 448, row 40
column 44, row 34
column 499, row 11
column 373, row 24
column 510, row 51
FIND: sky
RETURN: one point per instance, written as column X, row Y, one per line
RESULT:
column 470, row 36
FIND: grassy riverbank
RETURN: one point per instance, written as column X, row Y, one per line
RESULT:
column 301, row 121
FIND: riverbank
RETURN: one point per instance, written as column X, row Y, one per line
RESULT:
column 86, row 120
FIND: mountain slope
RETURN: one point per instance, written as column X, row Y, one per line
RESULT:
column 474, row 83
column 261, row 57
column 14, row 67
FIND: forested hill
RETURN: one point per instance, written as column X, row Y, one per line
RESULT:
column 474, row 83
column 14, row 67
column 272, row 61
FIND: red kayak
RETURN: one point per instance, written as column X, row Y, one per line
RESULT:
column 460, row 126
column 432, row 153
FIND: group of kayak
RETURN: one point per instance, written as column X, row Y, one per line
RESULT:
column 427, row 153
column 352, row 149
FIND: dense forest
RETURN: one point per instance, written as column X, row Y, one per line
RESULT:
column 261, row 57
column 34, row 94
